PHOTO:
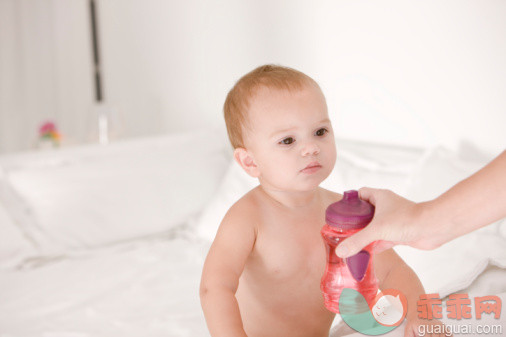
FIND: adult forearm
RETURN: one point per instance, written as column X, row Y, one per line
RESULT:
column 471, row 204
column 221, row 311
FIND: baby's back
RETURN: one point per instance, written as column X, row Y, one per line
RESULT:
column 279, row 289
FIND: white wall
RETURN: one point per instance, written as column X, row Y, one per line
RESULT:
column 421, row 73
column 413, row 73
column 45, row 70
column 168, row 66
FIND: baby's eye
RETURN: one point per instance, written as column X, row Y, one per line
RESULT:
column 321, row 132
column 287, row 141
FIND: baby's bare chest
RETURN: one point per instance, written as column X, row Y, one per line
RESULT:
column 282, row 275
column 292, row 250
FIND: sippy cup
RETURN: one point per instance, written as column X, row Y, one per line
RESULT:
column 344, row 218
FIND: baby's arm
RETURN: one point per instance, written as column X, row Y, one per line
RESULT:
column 393, row 273
column 223, row 267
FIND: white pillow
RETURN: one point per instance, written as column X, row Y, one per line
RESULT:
column 234, row 185
column 352, row 172
column 357, row 165
column 438, row 171
column 456, row 264
column 100, row 195
column 14, row 246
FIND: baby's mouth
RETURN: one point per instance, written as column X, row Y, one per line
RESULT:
column 313, row 164
column 311, row 167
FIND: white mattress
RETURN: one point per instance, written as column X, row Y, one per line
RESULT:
column 147, row 285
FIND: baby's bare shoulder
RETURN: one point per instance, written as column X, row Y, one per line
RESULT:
column 243, row 211
column 330, row 197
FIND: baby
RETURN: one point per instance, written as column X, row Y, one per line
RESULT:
column 262, row 274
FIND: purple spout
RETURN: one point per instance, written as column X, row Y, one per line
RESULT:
column 350, row 212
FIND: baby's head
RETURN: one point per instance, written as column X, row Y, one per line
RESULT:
column 278, row 124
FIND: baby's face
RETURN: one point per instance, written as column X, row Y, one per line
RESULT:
column 289, row 132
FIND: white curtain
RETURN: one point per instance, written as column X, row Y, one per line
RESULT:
column 45, row 70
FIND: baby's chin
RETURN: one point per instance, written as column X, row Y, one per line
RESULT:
column 315, row 179
column 310, row 185
column 299, row 183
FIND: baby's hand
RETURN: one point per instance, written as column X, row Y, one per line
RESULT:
column 426, row 327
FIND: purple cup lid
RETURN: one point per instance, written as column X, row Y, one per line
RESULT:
column 350, row 212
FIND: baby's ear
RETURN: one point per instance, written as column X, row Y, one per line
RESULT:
column 245, row 159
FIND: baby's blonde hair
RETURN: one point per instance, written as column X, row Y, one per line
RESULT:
column 239, row 97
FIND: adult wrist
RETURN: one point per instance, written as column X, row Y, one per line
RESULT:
column 431, row 226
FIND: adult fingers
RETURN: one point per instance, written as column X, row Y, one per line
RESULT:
column 382, row 246
column 368, row 194
column 356, row 242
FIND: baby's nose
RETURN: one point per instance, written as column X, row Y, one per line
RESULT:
column 310, row 149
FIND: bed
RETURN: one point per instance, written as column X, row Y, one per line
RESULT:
column 110, row 240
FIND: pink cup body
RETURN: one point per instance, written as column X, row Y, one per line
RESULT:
column 345, row 218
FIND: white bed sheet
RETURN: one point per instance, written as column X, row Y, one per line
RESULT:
column 142, row 288
column 147, row 288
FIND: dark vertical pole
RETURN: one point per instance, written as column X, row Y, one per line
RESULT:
column 96, row 60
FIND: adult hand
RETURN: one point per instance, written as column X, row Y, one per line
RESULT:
column 393, row 223
column 471, row 204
